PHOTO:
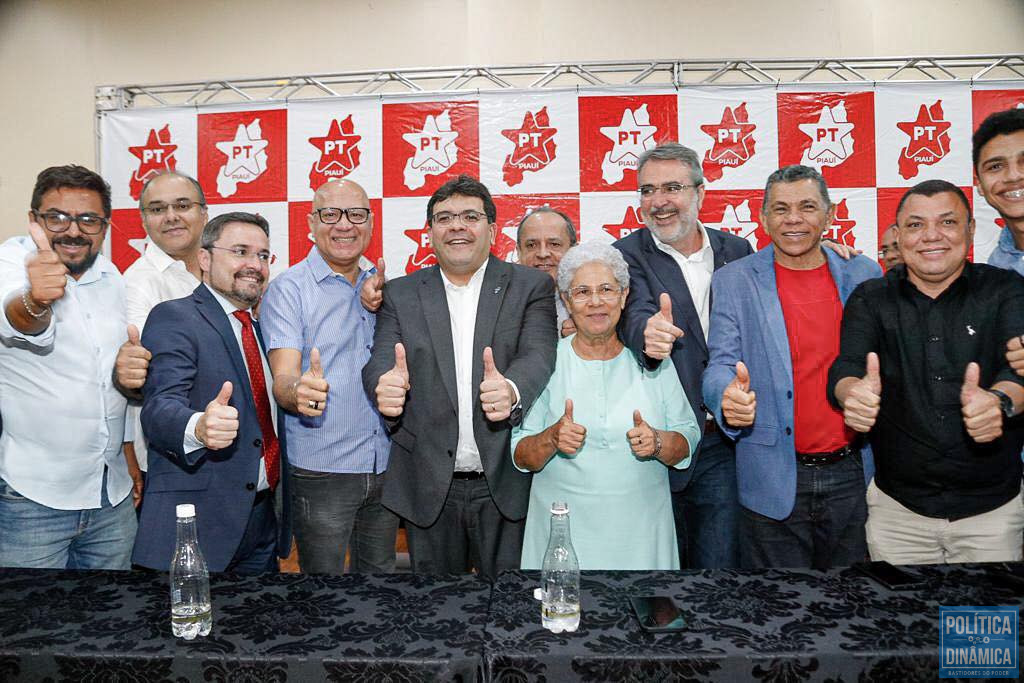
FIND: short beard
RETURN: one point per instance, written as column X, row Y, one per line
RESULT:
column 687, row 225
column 79, row 267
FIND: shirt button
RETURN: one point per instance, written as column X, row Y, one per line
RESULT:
column 788, row 431
column 933, row 339
column 937, row 378
column 789, row 394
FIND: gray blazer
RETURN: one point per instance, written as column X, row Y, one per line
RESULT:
column 516, row 318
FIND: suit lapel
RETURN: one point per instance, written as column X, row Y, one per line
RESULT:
column 684, row 313
column 434, row 303
column 492, row 293
column 767, row 294
column 210, row 309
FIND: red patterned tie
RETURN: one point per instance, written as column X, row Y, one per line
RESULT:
column 254, row 359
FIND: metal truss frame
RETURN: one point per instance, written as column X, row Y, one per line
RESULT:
column 664, row 73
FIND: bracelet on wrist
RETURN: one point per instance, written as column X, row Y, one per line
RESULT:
column 26, row 301
column 657, row 443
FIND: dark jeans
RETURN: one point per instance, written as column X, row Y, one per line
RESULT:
column 469, row 534
column 332, row 511
column 826, row 527
column 707, row 511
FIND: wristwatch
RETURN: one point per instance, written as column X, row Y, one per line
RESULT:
column 1005, row 402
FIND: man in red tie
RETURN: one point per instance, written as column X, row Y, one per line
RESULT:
column 208, row 411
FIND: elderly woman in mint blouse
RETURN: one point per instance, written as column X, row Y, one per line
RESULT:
column 604, row 432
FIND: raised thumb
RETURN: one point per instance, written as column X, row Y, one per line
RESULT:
column 873, row 373
column 742, row 376
column 133, row 336
column 568, row 409
column 665, row 302
column 39, row 237
column 400, row 359
column 380, row 269
column 971, row 377
column 225, row 394
column 314, row 362
column 637, row 418
column 490, row 372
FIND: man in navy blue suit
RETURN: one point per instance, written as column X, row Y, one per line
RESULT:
column 667, row 316
column 208, row 411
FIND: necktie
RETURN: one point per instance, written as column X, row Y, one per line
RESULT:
column 253, row 358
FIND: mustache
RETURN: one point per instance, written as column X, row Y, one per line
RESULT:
column 69, row 241
column 251, row 273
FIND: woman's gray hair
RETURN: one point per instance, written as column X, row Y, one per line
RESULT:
column 587, row 252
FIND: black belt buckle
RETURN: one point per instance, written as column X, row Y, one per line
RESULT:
column 824, row 459
column 468, row 475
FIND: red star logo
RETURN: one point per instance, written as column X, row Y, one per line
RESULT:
column 842, row 227
column 734, row 143
column 339, row 153
column 927, row 135
column 424, row 255
column 155, row 156
column 630, row 222
column 534, row 146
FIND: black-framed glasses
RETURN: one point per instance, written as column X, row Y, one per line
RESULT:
column 58, row 221
column 668, row 189
column 605, row 292
column 244, row 253
column 469, row 218
column 179, row 206
column 330, row 215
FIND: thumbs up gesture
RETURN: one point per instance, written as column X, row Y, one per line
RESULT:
column 311, row 391
column 218, row 426
column 132, row 364
column 982, row 411
column 660, row 333
column 372, row 292
column 860, row 409
column 567, row 435
column 739, row 403
column 47, row 276
column 642, row 438
column 393, row 385
column 1015, row 354
column 496, row 394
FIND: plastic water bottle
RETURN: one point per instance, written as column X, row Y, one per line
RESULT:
column 191, row 615
column 560, row 576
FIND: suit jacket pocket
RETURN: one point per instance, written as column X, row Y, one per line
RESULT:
column 404, row 438
column 172, row 481
column 766, row 435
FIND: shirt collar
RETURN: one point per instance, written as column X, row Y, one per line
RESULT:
column 476, row 278
column 699, row 255
column 229, row 308
column 159, row 258
column 1007, row 244
column 322, row 271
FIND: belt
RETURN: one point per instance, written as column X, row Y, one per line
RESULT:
column 261, row 496
column 468, row 475
column 824, row 459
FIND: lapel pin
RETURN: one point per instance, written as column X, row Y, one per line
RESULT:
column 497, row 289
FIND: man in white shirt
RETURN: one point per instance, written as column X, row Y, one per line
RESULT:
column 173, row 209
column 63, row 480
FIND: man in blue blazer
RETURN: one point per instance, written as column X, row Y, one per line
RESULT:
column 667, row 316
column 774, row 334
column 208, row 411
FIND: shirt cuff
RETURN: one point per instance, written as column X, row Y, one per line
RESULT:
column 190, row 442
column 515, row 390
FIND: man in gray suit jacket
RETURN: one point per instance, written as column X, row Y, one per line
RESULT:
column 460, row 352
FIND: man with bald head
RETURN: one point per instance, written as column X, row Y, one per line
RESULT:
column 544, row 235
column 318, row 336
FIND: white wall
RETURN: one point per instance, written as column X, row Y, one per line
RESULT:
column 53, row 52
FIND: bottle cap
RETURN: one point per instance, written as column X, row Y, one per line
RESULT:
column 185, row 510
column 559, row 508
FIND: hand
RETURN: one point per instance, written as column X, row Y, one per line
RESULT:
column 860, row 409
column 372, row 292
column 1015, row 354
column 393, row 385
column 982, row 411
column 47, row 276
column 641, row 437
column 135, row 472
column 496, row 395
column 218, row 426
column 739, row 403
column 659, row 333
column 312, row 388
column 568, row 436
column 568, row 327
column 132, row 364
column 842, row 251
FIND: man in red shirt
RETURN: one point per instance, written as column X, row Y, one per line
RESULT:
column 774, row 333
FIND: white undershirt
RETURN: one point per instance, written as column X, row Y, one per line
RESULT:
column 697, row 270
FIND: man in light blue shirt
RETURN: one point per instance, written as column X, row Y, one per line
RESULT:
column 319, row 337
column 999, row 173
column 63, row 480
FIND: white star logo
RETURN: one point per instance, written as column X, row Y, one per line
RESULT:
column 831, row 142
column 431, row 144
column 632, row 137
column 736, row 220
column 242, row 152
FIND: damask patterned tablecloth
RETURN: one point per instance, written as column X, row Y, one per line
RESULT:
column 769, row 625
column 115, row 626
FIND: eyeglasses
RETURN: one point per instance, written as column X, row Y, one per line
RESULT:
column 58, row 221
column 668, row 189
column 243, row 254
column 330, row 215
column 606, row 293
column 179, row 206
column 469, row 218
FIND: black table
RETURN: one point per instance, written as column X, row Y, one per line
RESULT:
column 115, row 626
column 769, row 625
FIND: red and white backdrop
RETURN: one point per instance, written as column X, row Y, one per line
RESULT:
column 576, row 151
